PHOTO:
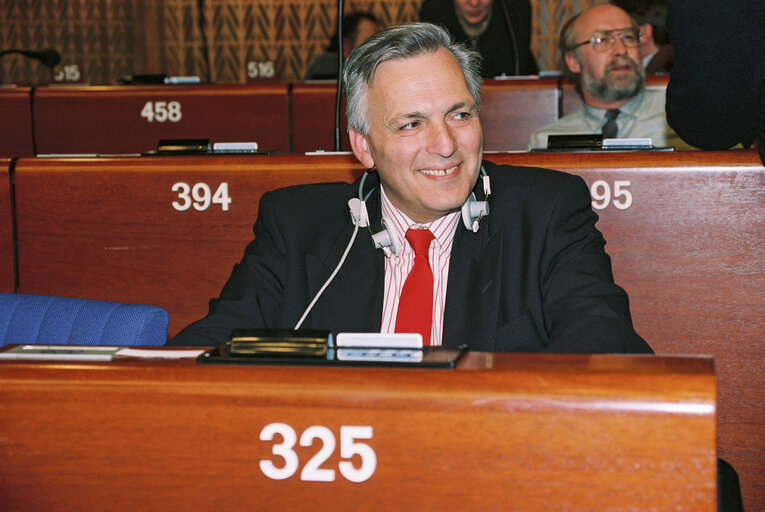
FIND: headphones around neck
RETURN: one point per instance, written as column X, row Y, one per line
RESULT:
column 472, row 213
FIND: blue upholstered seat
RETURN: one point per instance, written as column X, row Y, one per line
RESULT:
column 46, row 320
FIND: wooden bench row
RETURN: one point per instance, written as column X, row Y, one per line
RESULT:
column 684, row 231
column 289, row 118
column 501, row 431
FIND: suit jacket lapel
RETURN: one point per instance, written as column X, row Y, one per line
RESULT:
column 472, row 293
column 356, row 292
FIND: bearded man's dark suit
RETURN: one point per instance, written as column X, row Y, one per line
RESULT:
column 535, row 277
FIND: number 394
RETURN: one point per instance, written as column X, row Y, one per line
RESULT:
column 312, row 471
column 200, row 196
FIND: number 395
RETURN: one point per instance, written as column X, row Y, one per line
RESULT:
column 602, row 197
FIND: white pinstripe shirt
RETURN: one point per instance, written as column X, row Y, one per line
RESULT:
column 398, row 266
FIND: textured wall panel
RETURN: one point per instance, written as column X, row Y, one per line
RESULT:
column 112, row 38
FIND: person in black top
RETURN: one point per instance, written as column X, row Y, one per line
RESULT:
column 716, row 91
column 500, row 30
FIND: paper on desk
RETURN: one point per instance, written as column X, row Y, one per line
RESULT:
column 60, row 352
column 159, row 353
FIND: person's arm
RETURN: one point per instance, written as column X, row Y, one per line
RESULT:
column 253, row 295
column 584, row 310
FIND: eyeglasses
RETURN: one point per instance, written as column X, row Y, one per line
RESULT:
column 604, row 40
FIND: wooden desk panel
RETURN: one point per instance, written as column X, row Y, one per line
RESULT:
column 688, row 249
column 106, row 228
column 503, row 431
column 109, row 119
column 7, row 273
column 690, row 253
column 16, row 125
column 313, row 118
column 512, row 109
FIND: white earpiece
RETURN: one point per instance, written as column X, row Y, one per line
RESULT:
column 359, row 215
column 473, row 211
column 384, row 241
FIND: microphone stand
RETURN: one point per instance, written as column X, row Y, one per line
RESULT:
column 338, row 92
column 202, row 25
column 513, row 40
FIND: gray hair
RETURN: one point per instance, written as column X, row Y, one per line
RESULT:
column 400, row 42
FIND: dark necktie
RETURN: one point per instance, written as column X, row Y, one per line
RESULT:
column 611, row 129
column 415, row 306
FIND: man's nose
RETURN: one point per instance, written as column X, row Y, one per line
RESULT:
column 618, row 48
column 442, row 140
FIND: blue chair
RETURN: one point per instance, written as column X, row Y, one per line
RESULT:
column 46, row 320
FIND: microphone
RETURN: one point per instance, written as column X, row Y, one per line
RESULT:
column 513, row 40
column 338, row 92
column 49, row 57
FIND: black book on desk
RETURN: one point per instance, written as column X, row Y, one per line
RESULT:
column 582, row 142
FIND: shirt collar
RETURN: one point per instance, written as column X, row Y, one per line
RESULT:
column 397, row 222
column 596, row 115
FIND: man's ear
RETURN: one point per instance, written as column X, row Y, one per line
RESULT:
column 646, row 33
column 360, row 146
column 572, row 62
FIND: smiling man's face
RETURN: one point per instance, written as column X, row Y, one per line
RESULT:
column 425, row 136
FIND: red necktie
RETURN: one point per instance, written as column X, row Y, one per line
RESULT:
column 415, row 306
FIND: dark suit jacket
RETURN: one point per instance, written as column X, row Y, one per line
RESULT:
column 534, row 278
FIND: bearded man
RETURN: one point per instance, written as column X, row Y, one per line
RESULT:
column 601, row 48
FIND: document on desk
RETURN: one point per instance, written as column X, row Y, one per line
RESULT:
column 60, row 353
column 92, row 353
column 158, row 353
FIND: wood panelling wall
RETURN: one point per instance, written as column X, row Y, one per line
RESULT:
column 109, row 39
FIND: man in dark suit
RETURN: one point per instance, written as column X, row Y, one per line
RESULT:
column 530, row 274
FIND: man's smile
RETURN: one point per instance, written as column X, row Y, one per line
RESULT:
column 440, row 172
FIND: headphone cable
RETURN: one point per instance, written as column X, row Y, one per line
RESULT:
column 331, row 277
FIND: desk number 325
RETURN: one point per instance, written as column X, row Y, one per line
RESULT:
column 312, row 471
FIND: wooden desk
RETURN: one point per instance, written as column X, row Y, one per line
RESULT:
column 312, row 120
column 503, row 431
column 132, row 119
column 512, row 109
column 7, row 272
column 16, row 125
column 689, row 251
column 107, row 228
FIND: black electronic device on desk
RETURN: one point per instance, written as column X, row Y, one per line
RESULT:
column 318, row 348
column 595, row 142
column 172, row 147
